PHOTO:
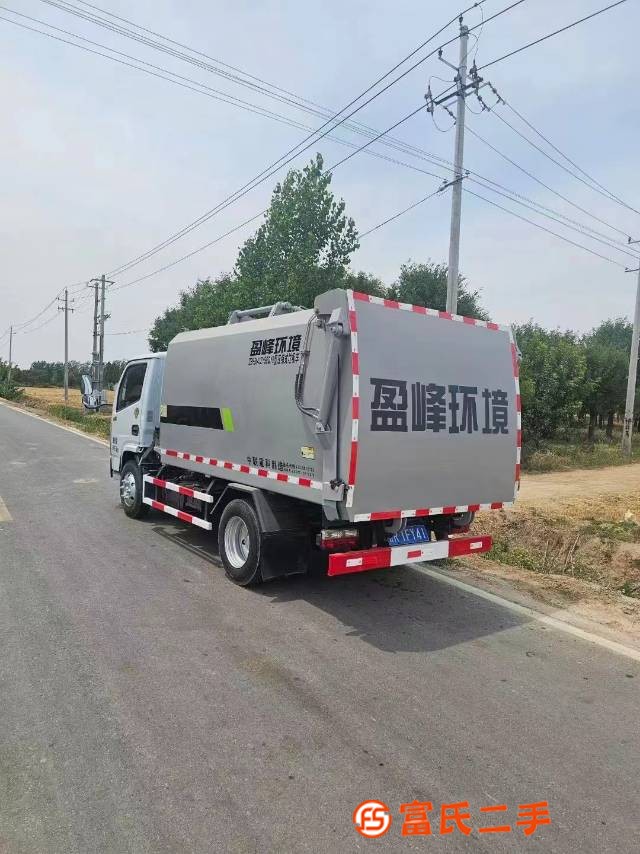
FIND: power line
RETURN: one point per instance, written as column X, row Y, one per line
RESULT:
column 279, row 94
column 514, row 197
column 283, row 161
column 400, row 213
column 261, row 213
column 543, row 228
column 542, row 183
column 550, row 35
column 597, row 185
column 557, row 162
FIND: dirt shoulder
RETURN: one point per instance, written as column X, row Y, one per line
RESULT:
column 572, row 541
column 543, row 489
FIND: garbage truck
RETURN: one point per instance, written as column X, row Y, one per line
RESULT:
column 361, row 434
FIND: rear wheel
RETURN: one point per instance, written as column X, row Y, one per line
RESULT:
column 131, row 491
column 239, row 542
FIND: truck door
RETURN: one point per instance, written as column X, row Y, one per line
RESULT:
column 127, row 421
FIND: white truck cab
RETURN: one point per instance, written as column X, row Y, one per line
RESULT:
column 136, row 408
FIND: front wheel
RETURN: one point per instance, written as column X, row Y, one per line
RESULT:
column 131, row 491
column 239, row 543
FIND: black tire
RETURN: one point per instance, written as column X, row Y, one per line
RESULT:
column 131, row 491
column 239, row 543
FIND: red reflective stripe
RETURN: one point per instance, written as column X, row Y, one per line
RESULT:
column 347, row 562
column 244, row 469
column 464, row 545
column 518, row 403
column 517, row 471
column 470, row 320
column 353, row 463
column 445, row 315
column 355, row 363
column 416, row 553
column 171, row 453
column 157, row 482
column 519, row 438
column 184, row 490
column 386, row 514
column 353, row 322
column 391, row 303
column 157, row 505
column 449, row 510
column 184, row 517
column 423, row 511
column 199, row 459
column 419, row 309
column 355, row 407
column 496, row 505
column 304, row 481
column 282, row 477
column 362, row 297
column 262, row 473
column 473, row 508
column 493, row 326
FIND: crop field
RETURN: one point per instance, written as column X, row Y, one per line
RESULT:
column 56, row 395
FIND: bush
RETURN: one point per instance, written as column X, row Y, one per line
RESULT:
column 10, row 391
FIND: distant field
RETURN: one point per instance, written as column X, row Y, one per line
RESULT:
column 56, row 395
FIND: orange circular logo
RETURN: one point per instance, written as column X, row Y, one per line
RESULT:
column 372, row 819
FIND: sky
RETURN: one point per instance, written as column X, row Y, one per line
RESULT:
column 100, row 162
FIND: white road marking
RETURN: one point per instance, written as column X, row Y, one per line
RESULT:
column 531, row 614
column 86, row 480
column 102, row 442
column 5, row 516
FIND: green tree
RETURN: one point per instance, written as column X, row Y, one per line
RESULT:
column 303, row 246
column 207, row 303
column 552, row 380
column 366, row 283
column 426, row 284
column 607, row 357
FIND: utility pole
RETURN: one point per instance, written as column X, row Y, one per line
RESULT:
column 66, row 310
column 98, row 335
column 627, row 428
column 10, row 353
column 94, row 349
column 456, row 190
column 462, row 89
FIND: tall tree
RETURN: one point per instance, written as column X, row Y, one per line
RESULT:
column 303, row 246
column 552, row 380
column 426, row 284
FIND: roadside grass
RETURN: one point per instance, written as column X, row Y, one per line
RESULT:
column 98, row 425
column 595, row 540
column 575, row 452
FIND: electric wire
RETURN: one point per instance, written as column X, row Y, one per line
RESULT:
column 550, row 35
column 543, row 228
column 542, row 183
column 594, row 185
column 278, row 164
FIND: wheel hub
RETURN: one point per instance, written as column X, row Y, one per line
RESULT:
column 236, row 541
column 128, row 489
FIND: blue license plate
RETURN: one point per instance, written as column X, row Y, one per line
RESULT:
column 410, row 535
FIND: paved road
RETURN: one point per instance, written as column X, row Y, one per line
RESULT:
column 148, row 705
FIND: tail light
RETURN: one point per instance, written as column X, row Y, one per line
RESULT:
column 333, row 539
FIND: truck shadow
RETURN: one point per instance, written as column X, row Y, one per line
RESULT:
column 395, row 610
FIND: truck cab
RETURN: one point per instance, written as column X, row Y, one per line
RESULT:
column 136, row 408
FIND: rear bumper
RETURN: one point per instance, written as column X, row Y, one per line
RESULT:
column 381, row 558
